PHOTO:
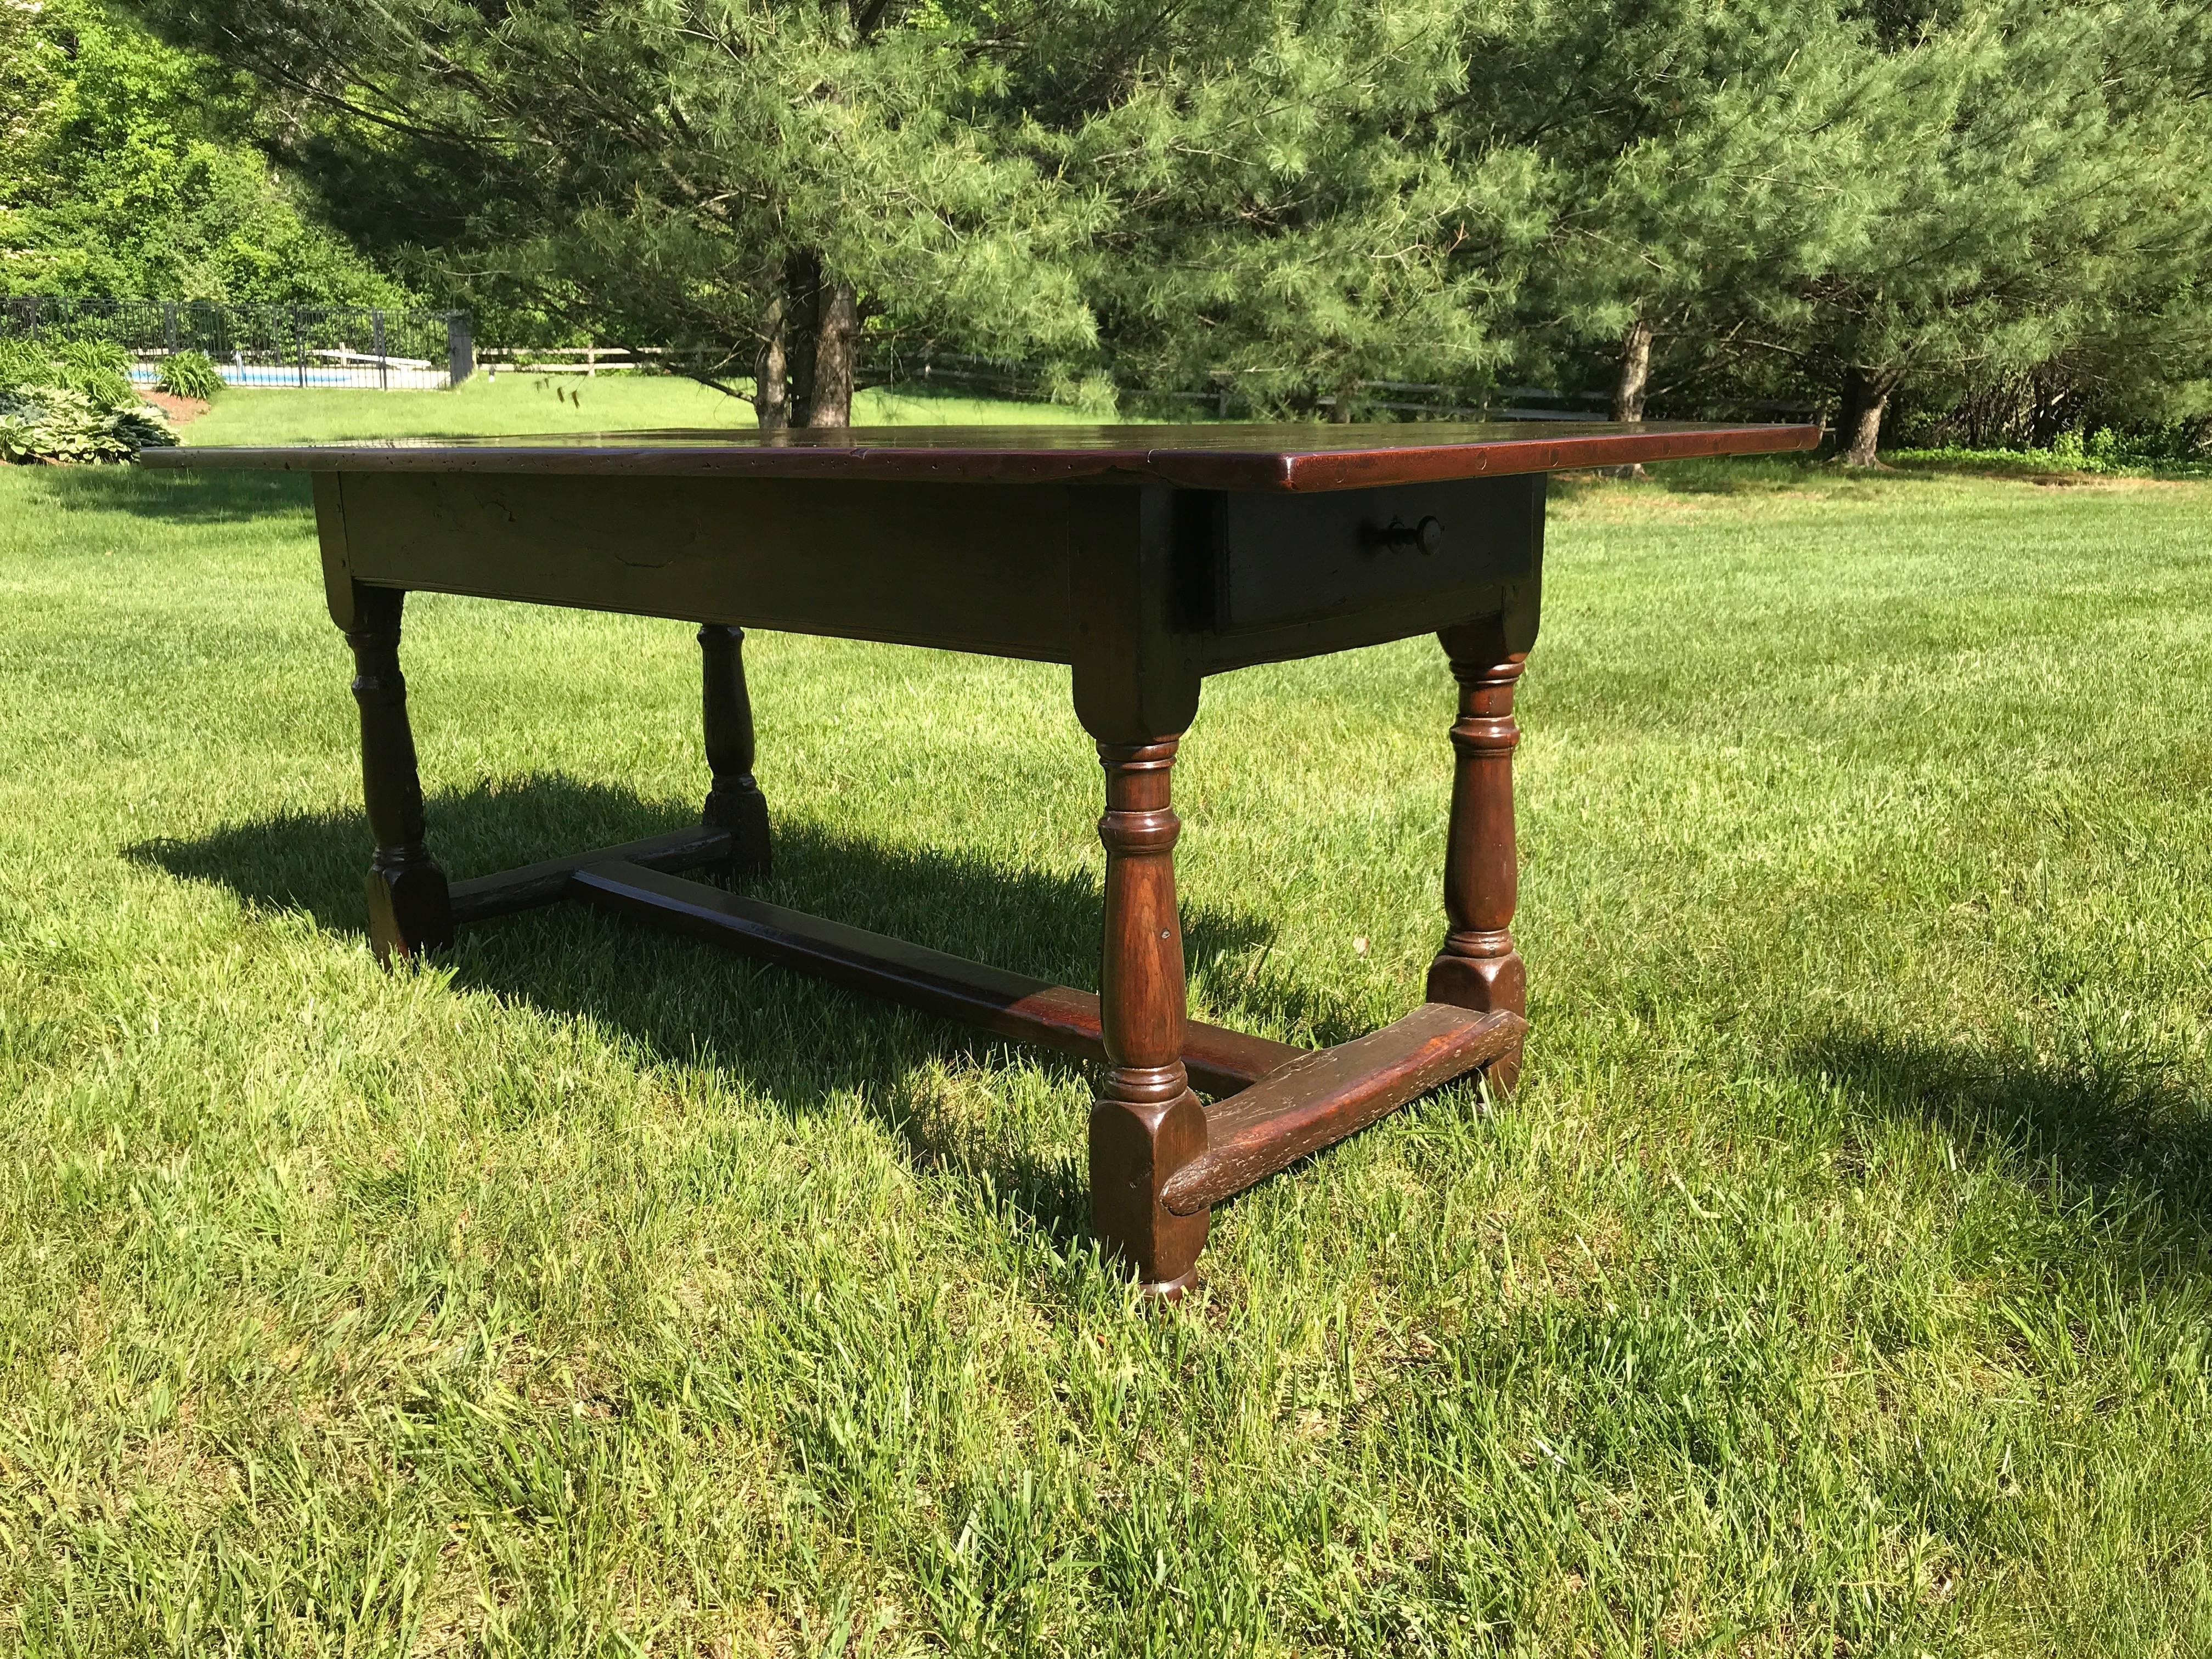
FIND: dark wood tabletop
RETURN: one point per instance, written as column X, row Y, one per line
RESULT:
column 1283, row 458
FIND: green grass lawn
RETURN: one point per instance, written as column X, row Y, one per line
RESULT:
column 519, row 402
column 1836, row 1283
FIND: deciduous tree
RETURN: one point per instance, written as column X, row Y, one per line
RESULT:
column 124, row 171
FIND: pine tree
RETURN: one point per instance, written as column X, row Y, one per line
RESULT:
column 2039, row 170
column 755, row 182
column 1694, row 152
column 1284, row 222
column 1273, row 201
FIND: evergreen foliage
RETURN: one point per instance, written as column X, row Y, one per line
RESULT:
column 1696, row 155
column 1983, row 212
column 758, row 180
column 1287, row 217
column 2038, row 171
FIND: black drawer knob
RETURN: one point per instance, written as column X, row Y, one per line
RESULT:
column 1426, row 537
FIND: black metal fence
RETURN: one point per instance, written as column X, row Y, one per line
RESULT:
column 263, row 345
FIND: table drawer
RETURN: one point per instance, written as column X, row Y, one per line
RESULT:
column 1258, row 562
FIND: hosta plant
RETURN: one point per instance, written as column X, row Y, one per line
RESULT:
column 59, row 423
column 75, row 403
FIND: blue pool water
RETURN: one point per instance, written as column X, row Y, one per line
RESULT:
column 255, row 374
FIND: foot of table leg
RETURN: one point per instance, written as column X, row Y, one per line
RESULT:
column 1477, row 967
column 408, row 911
column 735, row 802
column 1147, row 1123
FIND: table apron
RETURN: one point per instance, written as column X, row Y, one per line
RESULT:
column 1216, row 580
column 980, row 571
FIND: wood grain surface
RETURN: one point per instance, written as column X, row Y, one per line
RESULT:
column 1279, row 458
column 1319, row 1098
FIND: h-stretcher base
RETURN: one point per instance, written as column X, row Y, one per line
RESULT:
column 1278, row 1103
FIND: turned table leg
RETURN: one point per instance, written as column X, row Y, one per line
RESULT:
column 734, row 802
column 407, row 907
column 1477, row 967
column 1147, row 1123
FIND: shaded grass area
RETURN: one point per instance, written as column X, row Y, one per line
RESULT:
column 1837, row 1282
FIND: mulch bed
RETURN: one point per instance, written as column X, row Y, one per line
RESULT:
column 178, row 409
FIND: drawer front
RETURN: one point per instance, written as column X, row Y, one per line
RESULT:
column 1282, row 559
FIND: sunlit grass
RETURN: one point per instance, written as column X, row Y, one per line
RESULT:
column 1838, row 1281
column 517, row 401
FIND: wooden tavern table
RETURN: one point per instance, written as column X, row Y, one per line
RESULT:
column 1145, row 558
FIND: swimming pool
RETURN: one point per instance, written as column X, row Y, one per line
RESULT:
column 278, row 375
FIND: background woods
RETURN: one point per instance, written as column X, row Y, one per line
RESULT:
column 126, row 168
column 1978, row 218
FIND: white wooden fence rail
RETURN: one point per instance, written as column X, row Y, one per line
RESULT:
column 1005, row 379
column 578, row 360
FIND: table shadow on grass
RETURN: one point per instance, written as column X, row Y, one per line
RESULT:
column 2135, row 1141
column 188, row 498
column 790, row 1039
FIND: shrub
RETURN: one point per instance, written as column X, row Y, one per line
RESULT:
column 57, row 423
column 73, row 404
column 189, row 375
column 100, row 369
column 23, row 363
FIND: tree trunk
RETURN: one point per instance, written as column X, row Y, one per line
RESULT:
column 1858, row 418
column 1860, row 441
column 802, row 318
column 814, row 338
column 1635, row 372
column 772, row 384
column 836, row 346
column 1628, row 389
